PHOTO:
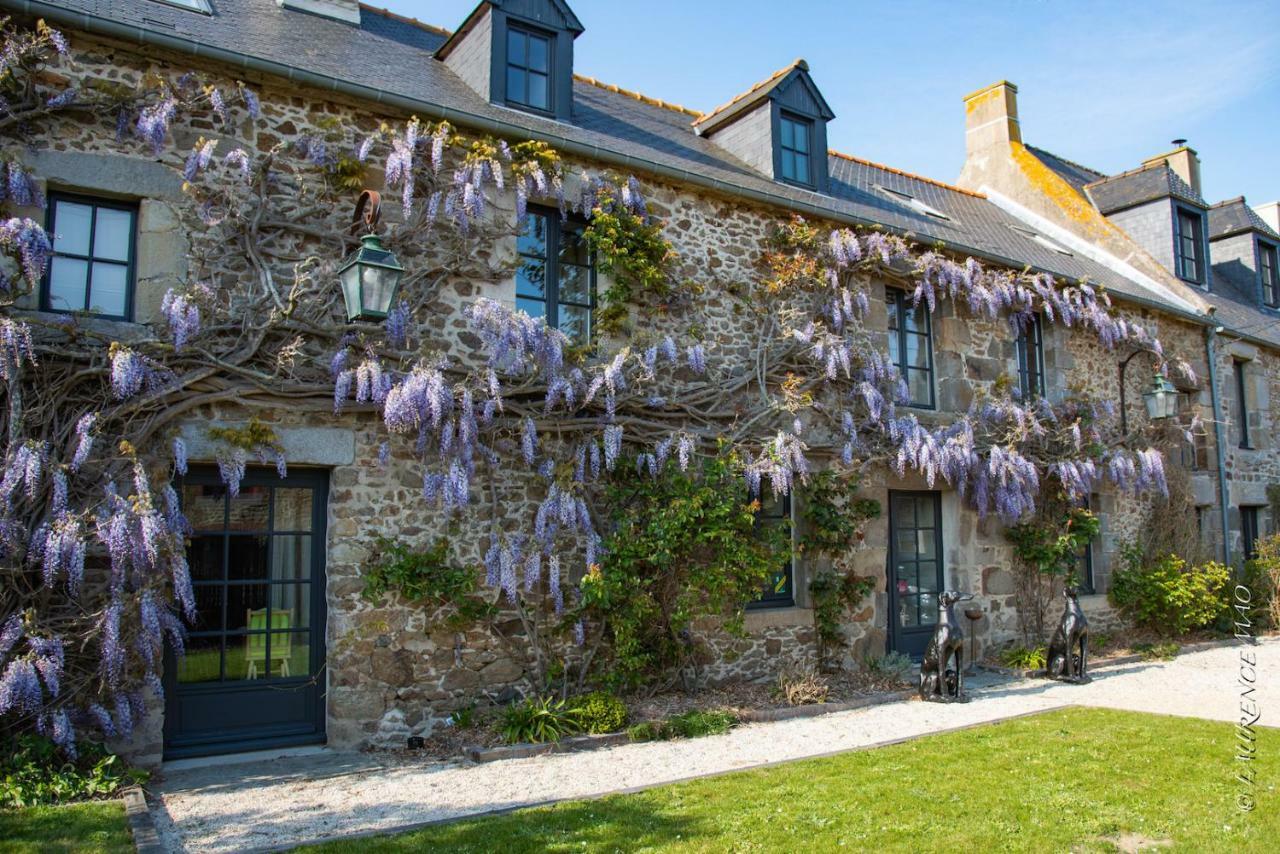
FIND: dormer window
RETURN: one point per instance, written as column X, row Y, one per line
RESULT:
column 518, row 54
column 778, row 128
column 1189, row 246
column 528, row 68
column 795, row 140
column 1270, row 272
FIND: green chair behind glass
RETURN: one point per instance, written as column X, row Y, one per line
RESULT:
column 255, row 645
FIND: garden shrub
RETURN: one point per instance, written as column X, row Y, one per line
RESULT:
column 1169, row 596
column 895, row 664
column 802, row 685
column 537, row 720
column 1262, row 577
column 34, row 771
column 600, row 712
column 691, row 724
column 684, row 545
column 1022, row 658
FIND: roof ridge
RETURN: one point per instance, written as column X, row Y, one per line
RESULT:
column 405, row 19
column 1160, row 165
column 639, row 96
column 1067, row 161
column 798, row 62
column 1226, row 202
column 905, row 174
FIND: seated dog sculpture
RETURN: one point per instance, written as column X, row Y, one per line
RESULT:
column 939, row 683
column 1068, row 656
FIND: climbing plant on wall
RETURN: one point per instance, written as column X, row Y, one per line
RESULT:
column 93, row 574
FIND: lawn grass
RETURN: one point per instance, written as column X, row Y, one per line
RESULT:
column 1070, row 780
column 97, row 826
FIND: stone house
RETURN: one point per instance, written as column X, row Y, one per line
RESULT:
column 367, row 673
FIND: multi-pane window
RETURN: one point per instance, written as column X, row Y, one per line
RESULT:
column 1270, row 272
column 1242, row 404
column 1190, row 251
column 1249, row 531
column 910, row 346
column 1195, row 456
column 1084, row 563
column 93, row 256
column 556, row 278
column 795, row 144
column 775, row 512
column 1031, row 359
column 528, row 68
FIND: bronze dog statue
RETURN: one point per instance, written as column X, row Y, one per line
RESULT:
column 939, row 683
column 1068, row 656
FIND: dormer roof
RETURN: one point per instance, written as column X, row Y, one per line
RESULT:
column 1141, row 185
column 807, row 99
column 561, row 18
column 1233, row 216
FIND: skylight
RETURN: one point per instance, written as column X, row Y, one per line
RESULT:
column 912, row 202
column 201, row 6
column 1042, row 240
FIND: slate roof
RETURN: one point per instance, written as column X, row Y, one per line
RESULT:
column 390, row 54
column 1073, row 173
column 1144, row 184
column 1234, row 216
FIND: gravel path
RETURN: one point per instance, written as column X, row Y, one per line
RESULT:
column 285, row 801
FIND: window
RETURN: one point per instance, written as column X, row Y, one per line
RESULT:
column 1249, row 531
column 1188, row 245
column 912, row 202
column 1270, row 273
column 795, row 144
column 910, row 347
column 556, row 279
column 779, row 588
column 528, row 68
column 1031, row 359
column 1194, row 456
column 1084, row 563
column 1242, row 404
column 93, row 256
column 194, row 5
column 1041, row 239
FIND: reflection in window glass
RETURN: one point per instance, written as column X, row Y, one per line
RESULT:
column 92, row 265
column 556, row 278
column 911, row 346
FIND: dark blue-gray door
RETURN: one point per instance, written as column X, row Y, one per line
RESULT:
column 253, row 673
column 915, row 569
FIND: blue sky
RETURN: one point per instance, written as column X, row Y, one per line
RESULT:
column 1102, row 83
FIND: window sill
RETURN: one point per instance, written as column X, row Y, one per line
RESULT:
column 766, row 618
column 130, row 330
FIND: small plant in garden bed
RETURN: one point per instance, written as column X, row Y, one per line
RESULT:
column 894, row 665
column 1169, row 596
column 688, row 725
column 802, row 685
column 537, row 720
column 1021, row 658
column 1160, row 651
column 600, row 712
column 33, row 771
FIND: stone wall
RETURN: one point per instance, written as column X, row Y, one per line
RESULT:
column 396, row 669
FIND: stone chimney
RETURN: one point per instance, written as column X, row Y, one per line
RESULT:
column 991, row 117
column 1270, row 213
column 1183, row 161
column 339, row 10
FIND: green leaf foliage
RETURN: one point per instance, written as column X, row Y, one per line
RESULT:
column 34, row 771
column 682, row 547
column 600, row 712
column 428, row 576
column 1170, row 596
column 537, row 720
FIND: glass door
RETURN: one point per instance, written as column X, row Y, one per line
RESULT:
column 252, row 675
column 915, row 569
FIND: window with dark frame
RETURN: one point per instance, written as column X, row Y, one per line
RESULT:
column 1242, row 404
column 795, row 144
column 1030, row 344
column 529, row 68
column 556, row 279
column 94, row 247
column 1084, row 563
column 1270, row 274
column 1190, row 250
column 779, row 588
column 911, row 346
column 1249, row 531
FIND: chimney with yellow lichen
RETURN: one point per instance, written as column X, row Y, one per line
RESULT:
column 991, row 117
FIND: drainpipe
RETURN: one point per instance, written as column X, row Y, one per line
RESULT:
column 1210, row 338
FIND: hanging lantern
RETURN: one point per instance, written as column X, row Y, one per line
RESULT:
column 370, row 276
column 1162, row 399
